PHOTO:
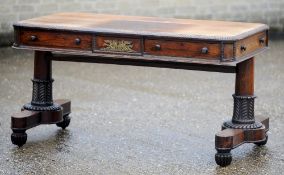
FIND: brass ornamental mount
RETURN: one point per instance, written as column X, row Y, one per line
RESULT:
column 118, row 46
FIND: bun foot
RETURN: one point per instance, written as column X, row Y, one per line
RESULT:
column 19, row 138
column 223, row 158
column 65, row 123
column 261, row 143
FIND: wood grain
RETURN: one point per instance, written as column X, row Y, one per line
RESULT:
column 42, row 65
column 229, row 51
column 28, row 119
column 232, row 138
column 251, row 43
column 56, row 39
column 182, row 49
column 244, row 85
column 137, row 25
column 179, row 40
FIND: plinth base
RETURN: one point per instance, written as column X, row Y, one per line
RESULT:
column 230, row 138
column 26, row 119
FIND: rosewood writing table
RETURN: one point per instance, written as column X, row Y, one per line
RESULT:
column 217, row 46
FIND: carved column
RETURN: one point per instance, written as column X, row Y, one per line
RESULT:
column 42, row 99
column 243, row 115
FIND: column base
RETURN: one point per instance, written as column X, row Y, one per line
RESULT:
column 230, row 124
column 30, row 107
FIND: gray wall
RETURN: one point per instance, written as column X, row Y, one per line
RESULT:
column 266, row 11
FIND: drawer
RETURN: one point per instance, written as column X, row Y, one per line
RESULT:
column 251, row 44
column 116, row 45
column 54, row 39
column 183, row 48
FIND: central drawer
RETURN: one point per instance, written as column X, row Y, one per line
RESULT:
column 117, row 45
column 182, row 48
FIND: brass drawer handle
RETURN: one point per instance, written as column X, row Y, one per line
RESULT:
column 157, row 47
column 204, row 50
column 33, row 38
column 243, row 48
column 77, row 41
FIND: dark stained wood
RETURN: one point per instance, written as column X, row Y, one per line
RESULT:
column 228, row 139
column 143, row 41
column 178, row 38
column 135, row 56
column 51, row 117
column 42, row 109
column 245, row 78
column 183, row 49
column 242, row 128
column 27, row 119
column 42, row 65
column 66, row 105
column 229, row 52
column 252, row 44
column 147, row 63
column 55, row 39
column 232, row 138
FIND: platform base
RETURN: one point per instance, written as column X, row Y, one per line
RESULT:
column 230, row 138
column 26, row 119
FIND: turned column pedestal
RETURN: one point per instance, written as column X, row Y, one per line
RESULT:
column 243, row 128
column 42, row 109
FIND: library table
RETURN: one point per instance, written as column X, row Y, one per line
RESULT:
column 215, row 46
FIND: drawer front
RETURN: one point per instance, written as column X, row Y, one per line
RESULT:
column 183, row 49
column 116, row 45
column 53, row 39
column 251, row 44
